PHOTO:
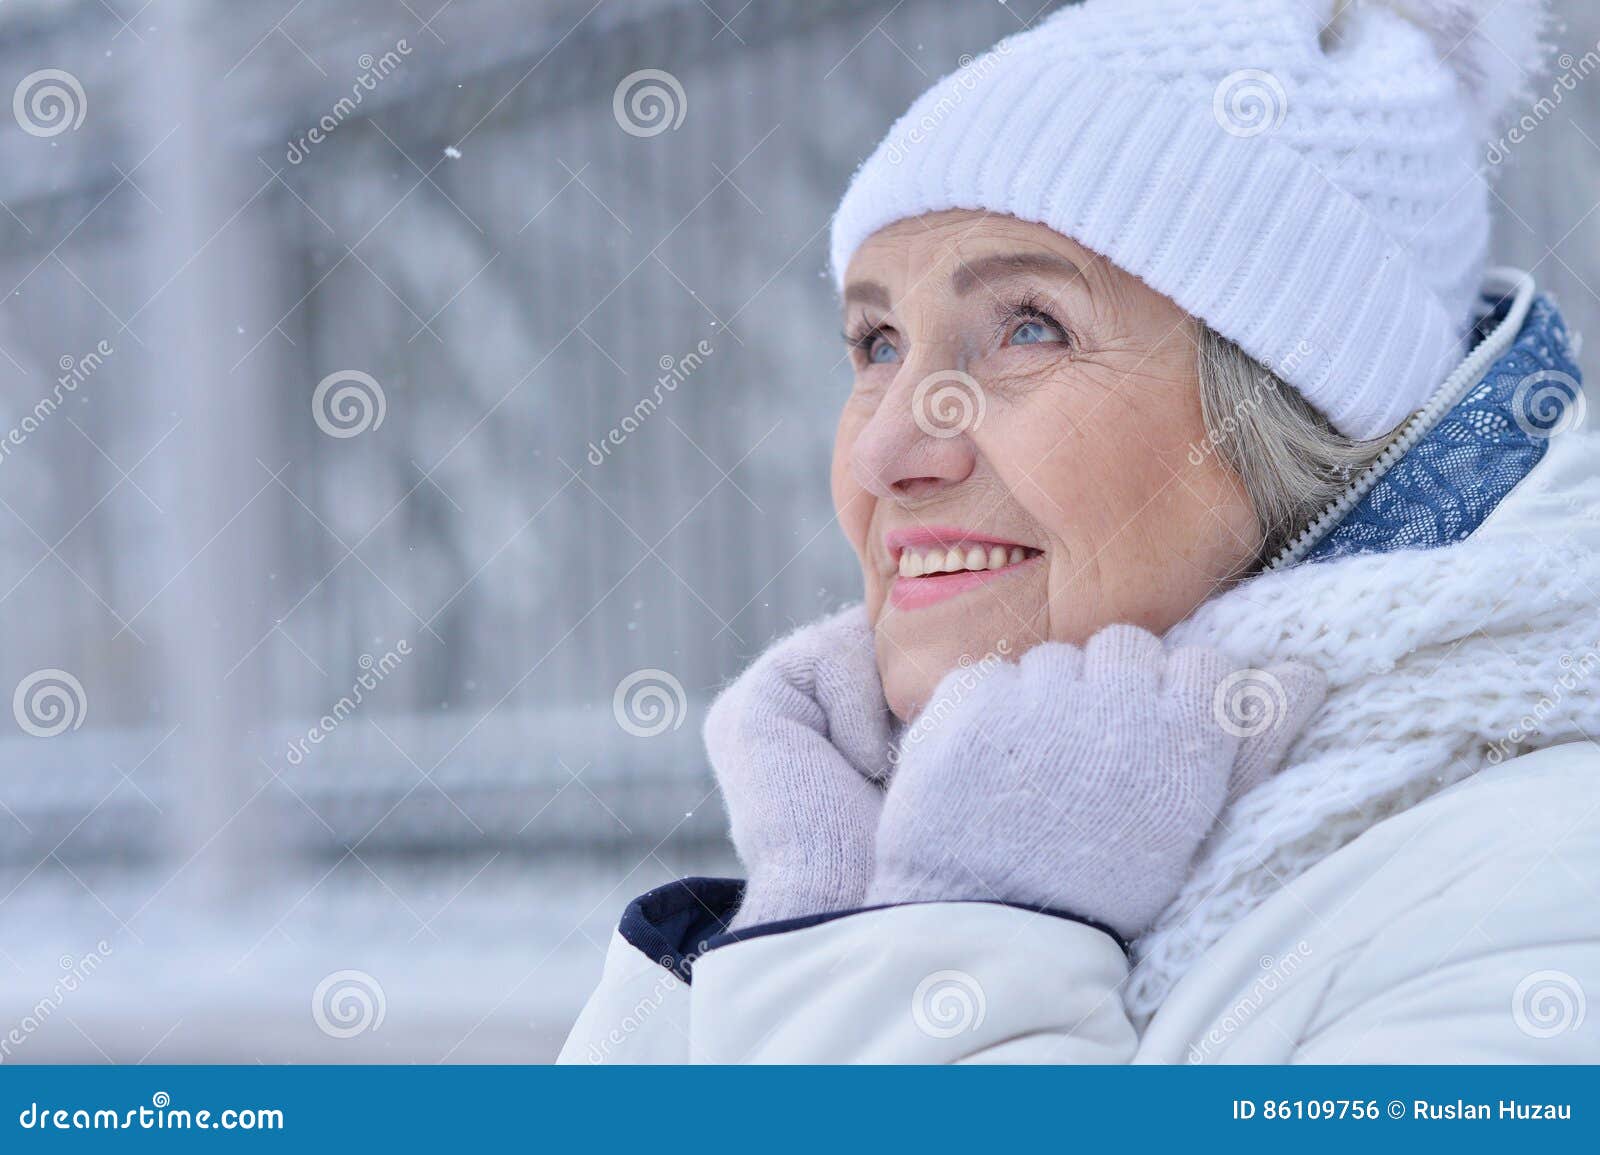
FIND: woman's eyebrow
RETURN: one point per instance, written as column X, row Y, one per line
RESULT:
column 868, row 293
column 969, row 275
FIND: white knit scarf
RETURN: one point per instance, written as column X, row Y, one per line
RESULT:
column 1439, row 662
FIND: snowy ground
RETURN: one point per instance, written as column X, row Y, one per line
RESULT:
column 476, row 962
column 477, row 898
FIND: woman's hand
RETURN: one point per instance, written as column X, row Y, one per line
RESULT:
column 1081, row 779
column 800, row 743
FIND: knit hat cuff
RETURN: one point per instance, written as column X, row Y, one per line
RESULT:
column 1238, row 230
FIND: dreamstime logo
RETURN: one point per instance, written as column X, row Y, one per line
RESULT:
column 953, row 690
column 373, row 69
column 49, row 702
column 1547, row 1004
column 1575, row 673
column 1547, row 403
column 1249, row 702
column 347, row 1004
column 674, row 372
column 1222, row 427
column 348, row 403
column 1249, row 102
column 76, row 972
column 649, row 102
column 374, row 671
column 1276, row 974
column 946, row 1003
column 49, row 102
column 1573, row 71
column 947, row 403
column 952, row 93
column 649, row 702
column 74, row 372
column 639, row 1014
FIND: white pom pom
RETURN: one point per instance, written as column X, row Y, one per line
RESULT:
column 1496, row 47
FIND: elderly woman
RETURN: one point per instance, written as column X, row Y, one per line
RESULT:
column 1224, row 684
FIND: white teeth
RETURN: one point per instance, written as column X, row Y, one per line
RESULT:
column 958, row 559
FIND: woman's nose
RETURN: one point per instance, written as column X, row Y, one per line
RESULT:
column 919, row 442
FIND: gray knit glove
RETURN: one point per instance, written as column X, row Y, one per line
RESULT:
column 800, row 743
column 1081, row 779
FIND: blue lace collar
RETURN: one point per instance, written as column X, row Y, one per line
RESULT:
column 1445, row 486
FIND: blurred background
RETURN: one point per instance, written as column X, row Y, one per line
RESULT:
column 410, row 412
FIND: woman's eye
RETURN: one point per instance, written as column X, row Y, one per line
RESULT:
column 1033, row 333
column 881, row 352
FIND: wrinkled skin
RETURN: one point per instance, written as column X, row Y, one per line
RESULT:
column 1086, row 448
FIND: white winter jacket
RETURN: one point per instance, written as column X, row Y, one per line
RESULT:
column 1421, row 883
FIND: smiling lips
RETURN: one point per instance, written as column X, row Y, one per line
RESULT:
column 935, row 565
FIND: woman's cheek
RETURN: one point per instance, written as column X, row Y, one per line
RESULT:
column 1070, row 486
column 851, row 502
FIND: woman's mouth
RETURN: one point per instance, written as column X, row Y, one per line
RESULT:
column 933, row 565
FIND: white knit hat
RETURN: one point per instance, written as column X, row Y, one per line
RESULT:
column 1302, row 175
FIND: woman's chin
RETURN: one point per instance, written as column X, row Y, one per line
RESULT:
column 913, row 661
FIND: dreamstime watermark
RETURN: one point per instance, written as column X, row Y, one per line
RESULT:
column 947, row 1003
column 634, row 1019
column 1249, row 102
column 1573, row 70
column 374, row 671
column 649, row 702
column 76, row 971
column 1577, row 671
column 1548, row 1003
column 674, row 372
column 649, row 102
column 953, row 92
column 948, row 403
column 348, row 1003
column 1548, row 403
column 1249, row 702
column 954, row 689
column 49, row 702
column 160, row 1115
column 1223, row 426
column 1275, row 975
column 347, row 403
column 373, row 70
column 74, row 372
column 49, row 102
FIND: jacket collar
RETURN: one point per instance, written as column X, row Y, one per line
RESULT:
column 1486, row 429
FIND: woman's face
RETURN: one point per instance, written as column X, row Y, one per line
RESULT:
column 1022, row 458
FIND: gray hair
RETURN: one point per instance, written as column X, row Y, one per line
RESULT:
column 1290, row 460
